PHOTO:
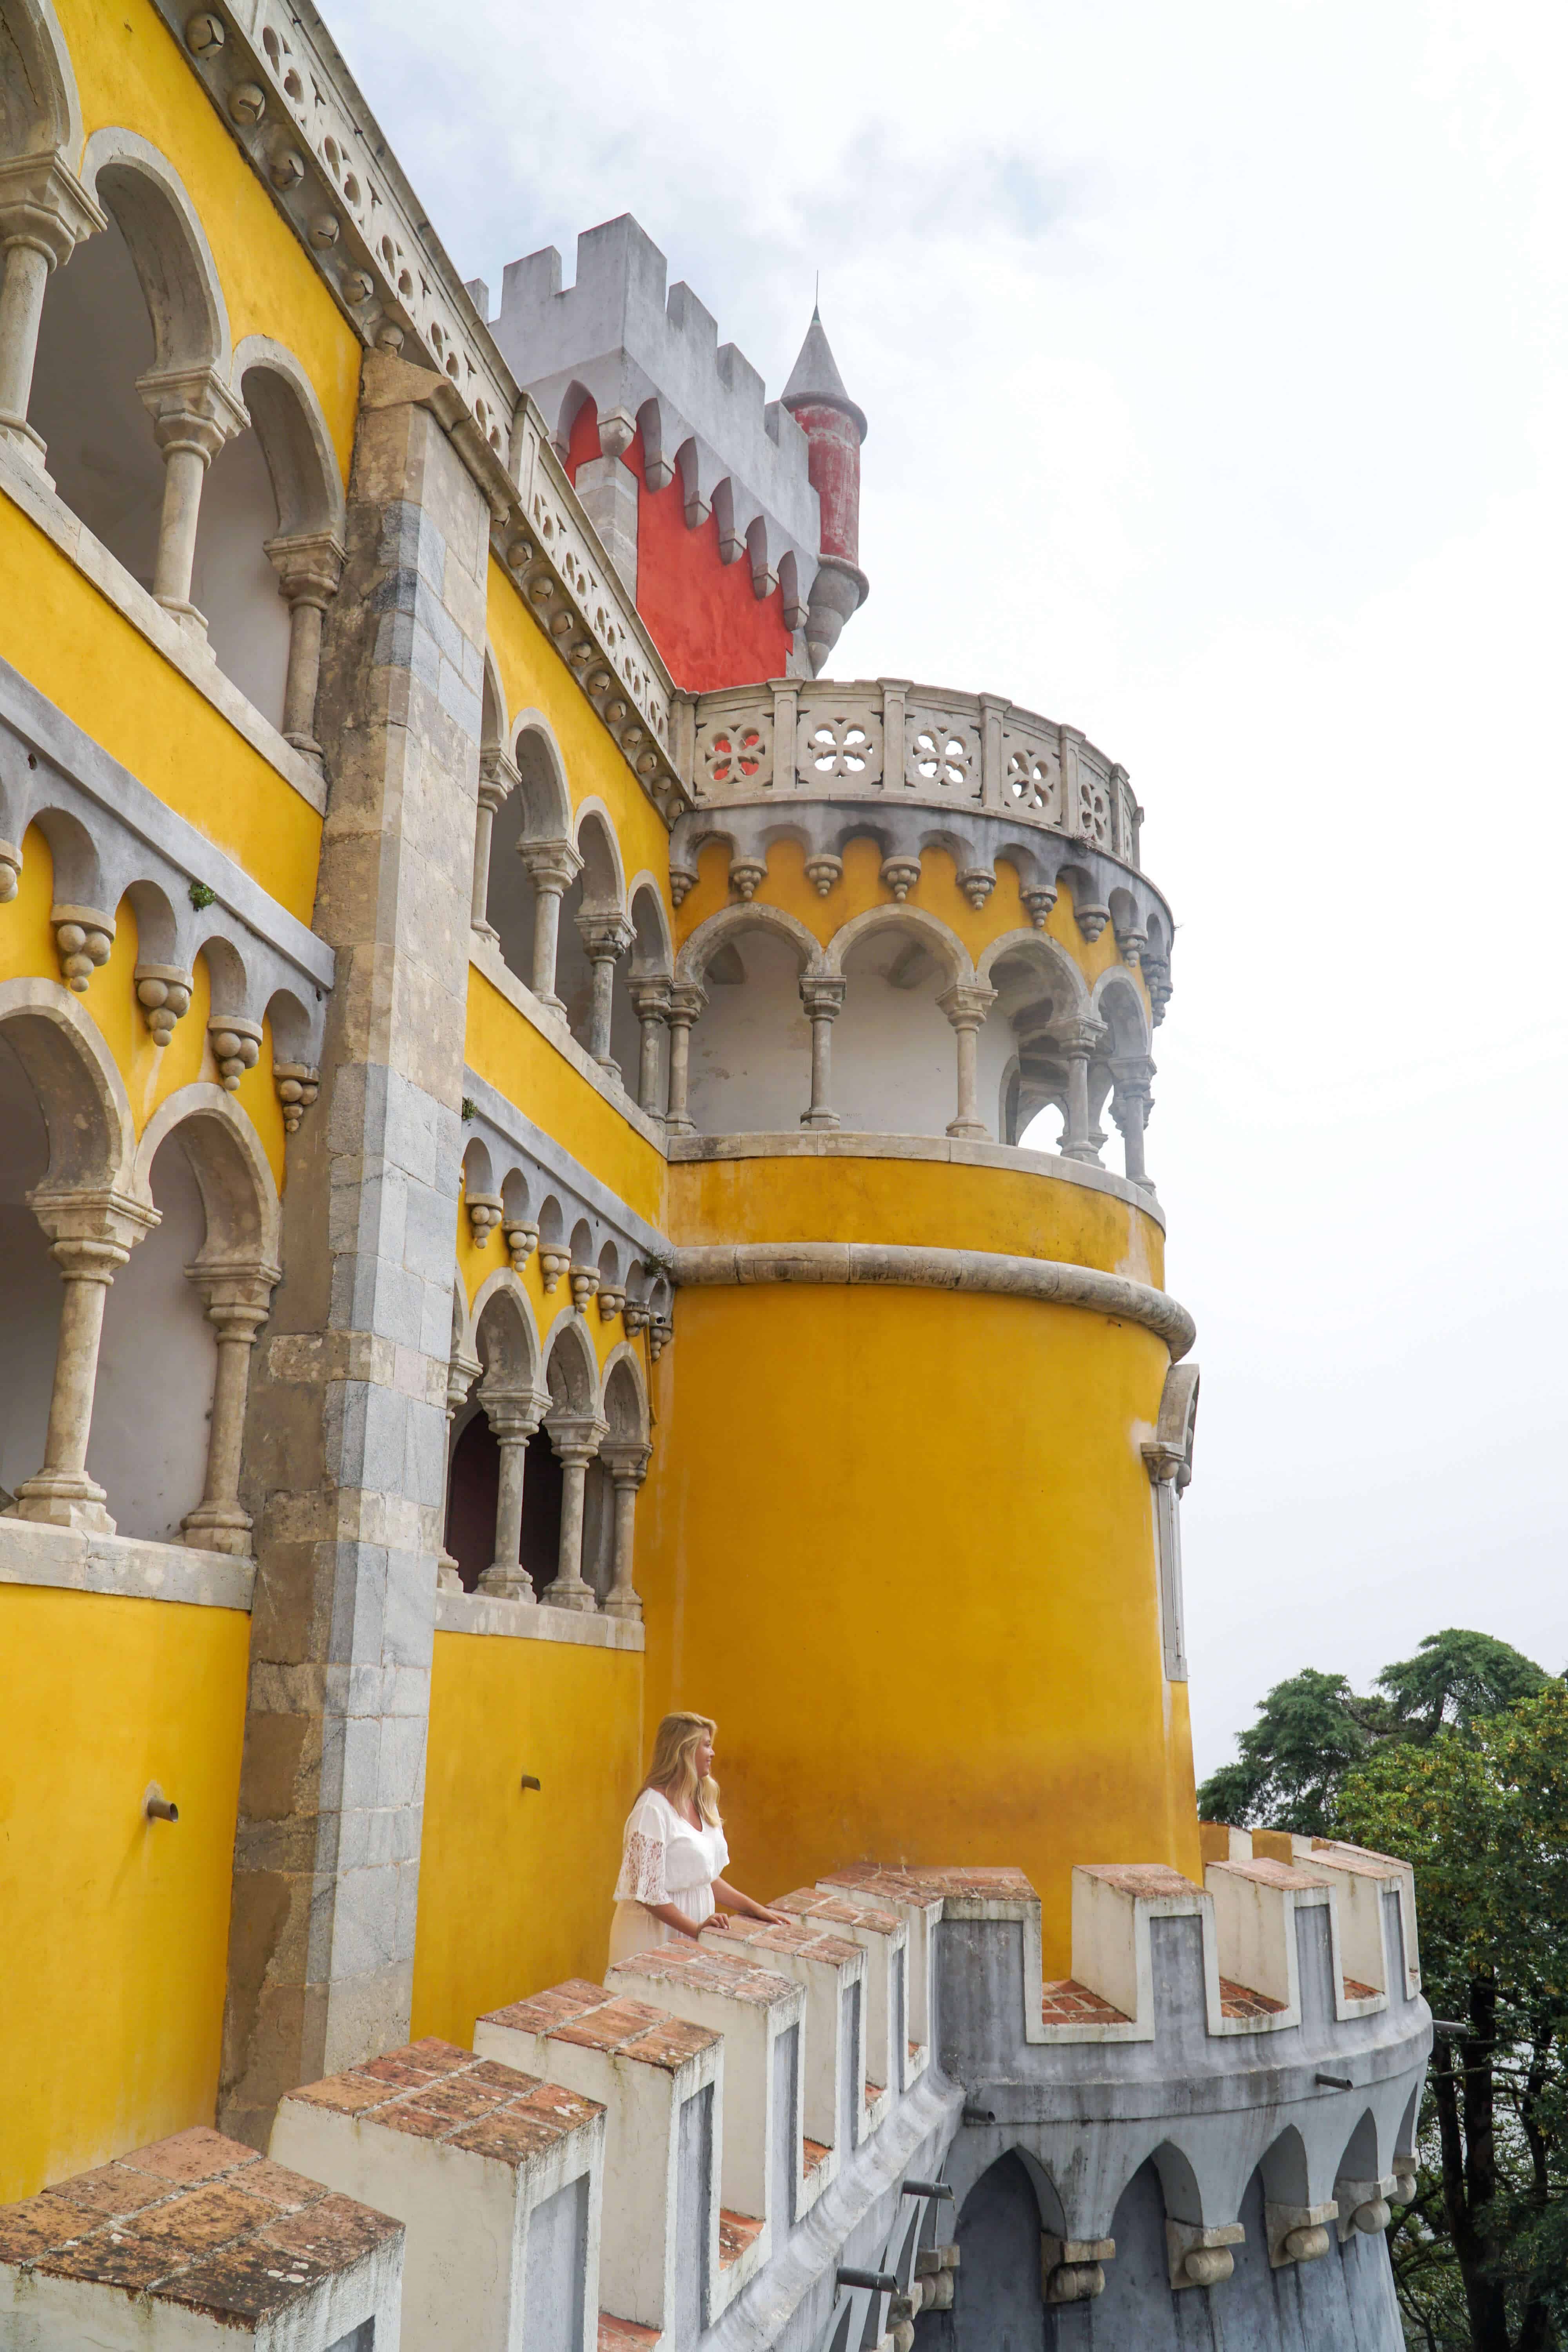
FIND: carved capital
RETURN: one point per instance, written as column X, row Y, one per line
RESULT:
column 576, row 1437
column 966, row 1004
column 605, row 935
column 310, row 567
column 626, row 1460
column 235, row 1292
column 1079, row 1039
column 650, row 999
column 190, row 408
column 549, row 864
column 497, row 779
column 91, row 1233
column 822, row 995
column 43, row 204
column 513, row 1414
column 687, row 1001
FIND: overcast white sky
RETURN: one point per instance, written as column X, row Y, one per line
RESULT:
column 1215, row 357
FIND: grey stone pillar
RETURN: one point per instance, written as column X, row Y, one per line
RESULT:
column 605, row 938
column 577, row 1438
column 1130, row 1103
column 552, row 866
column 309, row 565
column 626, row 1461
column 498, row 781
column 44, row 212
column 966, row 1004
column 650, row 1003
column 686, row 1001
column 237, row 1298
column 91, row 1236
column 345, row 1452
column 513, row 1417
column 823, row 1002
column 1078, row 1135
column 193, row 413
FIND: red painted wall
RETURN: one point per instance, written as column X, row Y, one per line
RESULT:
column 834, row 472
column 706, row 622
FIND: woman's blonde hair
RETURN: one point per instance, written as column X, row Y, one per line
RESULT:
column 673, row 1771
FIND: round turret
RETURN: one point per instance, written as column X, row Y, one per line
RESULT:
column 834, row 428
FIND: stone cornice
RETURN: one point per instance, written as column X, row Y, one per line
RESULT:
column 977, row 1271
column 286, row 97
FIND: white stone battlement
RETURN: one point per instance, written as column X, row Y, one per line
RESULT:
column 650, row 358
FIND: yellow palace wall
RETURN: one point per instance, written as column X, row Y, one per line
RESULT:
column 116, row 1928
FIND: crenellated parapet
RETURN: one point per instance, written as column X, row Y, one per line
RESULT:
column 698, row 2151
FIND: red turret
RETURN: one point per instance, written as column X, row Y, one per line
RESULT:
column 834, row 428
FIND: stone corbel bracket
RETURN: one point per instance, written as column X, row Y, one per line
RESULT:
column 110, row 837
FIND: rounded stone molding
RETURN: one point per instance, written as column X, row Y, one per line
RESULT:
column 977, row 1273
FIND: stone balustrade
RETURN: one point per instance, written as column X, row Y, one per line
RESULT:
column 886, row 740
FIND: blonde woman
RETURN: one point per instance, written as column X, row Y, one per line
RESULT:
column 673, row 1847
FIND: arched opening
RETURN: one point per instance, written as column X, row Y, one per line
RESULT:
column 95, row 339
column 751, row 1049
column 532, row 861
column 157, row 1359
column 542, row 1492
column 29, row 1281
column 893, row 1052
column 473, row 1488
column 233, row 582
column 590, row 970
column 996, row 2299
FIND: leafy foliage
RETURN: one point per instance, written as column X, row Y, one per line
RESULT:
column 1481, row 1808
column 1314, row 1729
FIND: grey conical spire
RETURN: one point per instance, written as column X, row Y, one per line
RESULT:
column 814, row 381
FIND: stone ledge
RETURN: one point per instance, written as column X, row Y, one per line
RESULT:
column 528, row 1621
column 791, row 1143
column 191, row 655
column 128, row 1566
column 983, row 1273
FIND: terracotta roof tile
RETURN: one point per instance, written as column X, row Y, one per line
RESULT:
column 197, row 2220
column 1356, row 1990
column 810, row 1903
column 813, row 2152
column 1155, row 1881
column 710, row 1971
column 1065, row 2002
column 1240, row 2000
column 736, row 2232
column 544, row 2012
column 433, row 2090
column 1264, row 1873
column 1356, row 1859
column 624, row 2335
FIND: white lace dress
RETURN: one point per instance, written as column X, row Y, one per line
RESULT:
column 663, row 1860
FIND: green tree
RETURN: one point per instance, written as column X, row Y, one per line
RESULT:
column 1482, row 1811
column 1312, row 1729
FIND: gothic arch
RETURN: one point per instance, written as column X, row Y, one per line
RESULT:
column 40, row 112
column 730, row 922
column 653, row 952
column 294, row 441
column 544, row 795
column 1039, row 949
column 80, row 1092
column 501, row 1318
column 233, row 1173
column 933, row 934
column 603, row 874
column 571, row 1369
column 169, row 248
column 625, row 1396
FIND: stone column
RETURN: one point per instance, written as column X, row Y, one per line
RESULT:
column 193, row 413
column 552, row 866
column 576, row 1438
column 605, row 938
column 966, row 1004
column 237, row 1299
column 1078, row 1042
column 92, row 1235
column 650, row 1003
column 346, row 1450
column 310, row 567
column 44, row 213
column 513, row 1416
column 498, row 781
column 626, row 1460
column 1130, row 1104
column 824, row 1001
column 686, row 999
column 462, row 1372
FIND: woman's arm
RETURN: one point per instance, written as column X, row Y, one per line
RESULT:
column 730, row 1898
column 673, row 1916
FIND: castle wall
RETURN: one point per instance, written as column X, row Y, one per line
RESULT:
column 515, row 1883
column 112, row 1969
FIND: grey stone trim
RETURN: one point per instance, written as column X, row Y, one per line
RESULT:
column 977, row 1272
column 795, row 1143
column 191, row 655
column 371, row 242
column 67, row 1561
column 137, row 837
column 486, row 957
column 509, row 1135
column 527, row 1621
